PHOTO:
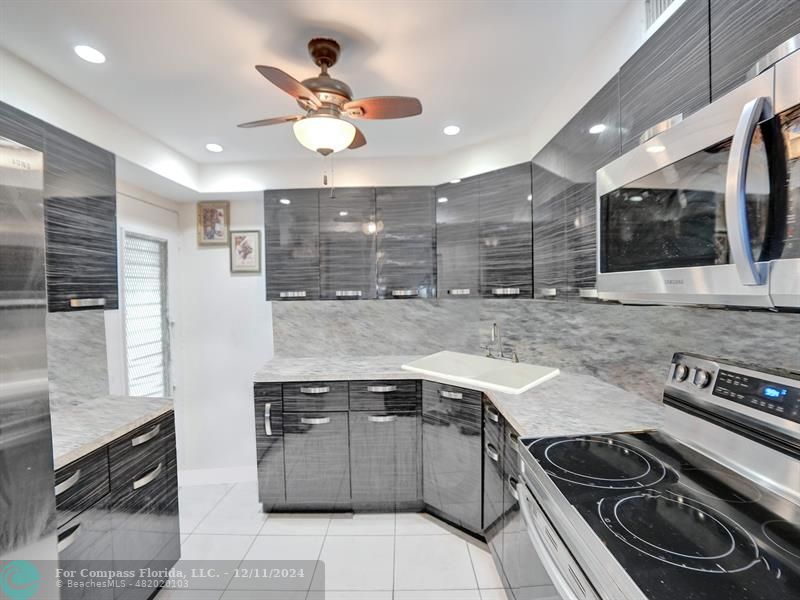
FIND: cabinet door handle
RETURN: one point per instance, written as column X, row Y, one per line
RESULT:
column 451, row 395
column 86, row 302
column 492, row 452
column 381, row 389
column 267, row 419
column 68, row 483
column 348, row 293
column 512, row 487
column 404, row 293
column 147, row 479
column 322, row 389
column 513, row 439
column 146, row 437
column 66, row 539
column 459, row 292
column 492, row 415
column 505, row 292
column 381, row 418
column 315, row 420
column 297, row 294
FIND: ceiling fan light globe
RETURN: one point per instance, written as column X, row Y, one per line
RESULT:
column 324, row 134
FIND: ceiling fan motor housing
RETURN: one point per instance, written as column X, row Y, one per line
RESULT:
column 324, row 51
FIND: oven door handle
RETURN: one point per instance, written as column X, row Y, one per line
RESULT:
column 735, row 191
column 559, row 581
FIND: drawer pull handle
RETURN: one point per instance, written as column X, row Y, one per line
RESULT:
column 86, row 302
column 315, row 420
column 381, row 418
column 513, row 439
column 451, row 395
column 505, row 292
column 459, row 292
column 381, row 389
column 147, row 479
column 267, row 418
column 322, row 389
column 512, row 485
column 492, row 452
column 348, row 293
column 404, row 293
column 66, row 539
column 299, row 294
column 492, row 415
column 68, row 483
column 146, row 437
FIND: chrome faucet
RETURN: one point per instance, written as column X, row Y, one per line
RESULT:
column 496, row 344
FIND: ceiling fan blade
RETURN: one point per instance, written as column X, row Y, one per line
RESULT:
column 358, row 141
column 383, row 107
column 272, row 121
column 289, row 84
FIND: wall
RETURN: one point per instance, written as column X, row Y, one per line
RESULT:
column 224, row 335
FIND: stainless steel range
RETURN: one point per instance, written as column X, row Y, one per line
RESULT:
column 706, row 509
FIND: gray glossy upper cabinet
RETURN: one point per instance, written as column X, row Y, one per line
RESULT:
column 668, row 75
column 549, row 224
column 406, row 242
column 347, row 256
column 457, row 223
column 505, row 235
column 743, row 31
column 291, row 223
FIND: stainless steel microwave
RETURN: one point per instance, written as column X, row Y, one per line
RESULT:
column 708, row 211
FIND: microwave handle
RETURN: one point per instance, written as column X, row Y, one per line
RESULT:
column 735, row 191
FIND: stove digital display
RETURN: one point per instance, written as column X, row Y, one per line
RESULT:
column 767, row 396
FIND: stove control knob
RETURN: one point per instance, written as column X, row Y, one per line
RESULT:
column 702, row 378
column 681, row 372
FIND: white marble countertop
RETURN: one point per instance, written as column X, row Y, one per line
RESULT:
column 80, row 428
column 568, row 404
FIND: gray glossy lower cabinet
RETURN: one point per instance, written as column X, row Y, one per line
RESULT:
column 451, row 453
column 493, row 464
column 317, row 460
column 118, row 507
column 269, row 445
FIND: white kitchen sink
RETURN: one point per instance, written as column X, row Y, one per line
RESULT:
column 482, row 372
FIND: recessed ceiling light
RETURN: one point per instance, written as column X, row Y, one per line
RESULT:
column 213, row 147
column 530, row 197
column 90, row 54
column 285, row 201
column 451, row 130
column 342, row 213
column 441, row 200
column 455, row 181
column 599, row 128
column 655, row 149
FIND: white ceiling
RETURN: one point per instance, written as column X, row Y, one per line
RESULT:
column 182, row 71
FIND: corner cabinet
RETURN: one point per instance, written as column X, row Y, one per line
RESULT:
column 457, row 253
column 505, row 235
column 347, row 231
column 291, row 226
column 406, row 242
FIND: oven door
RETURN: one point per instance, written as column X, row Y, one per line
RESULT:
column 689, row 217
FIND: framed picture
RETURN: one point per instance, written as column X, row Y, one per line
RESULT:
column 245, row 251
column 213, row 221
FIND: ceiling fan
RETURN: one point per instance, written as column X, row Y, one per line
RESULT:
column 326, row 101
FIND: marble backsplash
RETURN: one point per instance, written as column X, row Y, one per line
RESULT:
column 76, row 357
column 628, row 346
column 631, row 346
column 373, row 328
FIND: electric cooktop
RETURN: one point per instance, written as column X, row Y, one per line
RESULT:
column 681, row 525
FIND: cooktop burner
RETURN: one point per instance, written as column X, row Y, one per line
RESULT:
column 602, row 462
column 680, row 524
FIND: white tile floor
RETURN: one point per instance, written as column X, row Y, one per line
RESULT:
column 406, row 556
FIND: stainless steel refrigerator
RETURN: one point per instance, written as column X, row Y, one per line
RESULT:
column 27, row 500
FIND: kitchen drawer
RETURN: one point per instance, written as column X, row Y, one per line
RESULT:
column 315, row 396
column 141, row 446
column 86, row 542
column 464, row 395
column 81, row 484
column 384, row 395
